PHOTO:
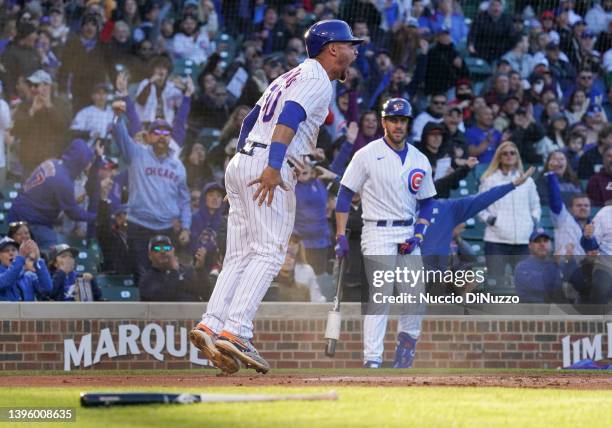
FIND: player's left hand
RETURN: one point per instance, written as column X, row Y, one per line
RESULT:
column 410, row 245
column 269, row 179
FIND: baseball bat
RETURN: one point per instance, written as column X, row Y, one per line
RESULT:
column 332, row 328
column 98, row 399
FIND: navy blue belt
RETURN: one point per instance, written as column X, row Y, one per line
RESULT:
column 253, row 145
column 394, row 223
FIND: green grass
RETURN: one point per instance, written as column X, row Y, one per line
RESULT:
column 357, row 407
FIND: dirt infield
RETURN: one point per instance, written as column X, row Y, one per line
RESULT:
column 571, row 380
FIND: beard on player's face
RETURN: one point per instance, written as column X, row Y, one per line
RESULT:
column 396, row 129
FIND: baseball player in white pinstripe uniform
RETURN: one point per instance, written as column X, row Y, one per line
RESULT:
column 284, row 124
column 395, row 182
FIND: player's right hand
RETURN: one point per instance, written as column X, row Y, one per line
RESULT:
column 523, row 177
column 269, row 179
column 342, row 246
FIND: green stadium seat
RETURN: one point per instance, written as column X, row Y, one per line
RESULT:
column 118, row 288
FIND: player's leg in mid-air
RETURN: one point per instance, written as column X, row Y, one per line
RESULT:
column 268, row 233
column 205, row 334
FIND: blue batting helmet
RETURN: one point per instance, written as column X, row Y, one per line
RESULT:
column 397, row 107
column 327, row 31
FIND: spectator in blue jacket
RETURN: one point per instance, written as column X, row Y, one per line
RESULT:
column 159, row 199
column 538, row 279
column 206, row 222
column 49, row 191
column 17, row 283
column 311, row 218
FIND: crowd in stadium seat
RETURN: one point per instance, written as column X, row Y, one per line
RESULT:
column 496, row 86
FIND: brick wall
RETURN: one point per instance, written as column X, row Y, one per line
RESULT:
column 297, row 343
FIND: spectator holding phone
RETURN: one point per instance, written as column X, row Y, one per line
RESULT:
column 17, row 283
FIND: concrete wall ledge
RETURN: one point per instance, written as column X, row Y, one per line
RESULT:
column 286, row 310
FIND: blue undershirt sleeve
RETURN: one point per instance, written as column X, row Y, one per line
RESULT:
column 343, row 202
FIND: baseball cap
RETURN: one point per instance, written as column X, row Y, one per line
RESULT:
column 552, row 46
column 40, row 76
column 412, row 22
column 593, row 110
column 58, row 249
column 159, row 239
column 547, row 14
column 213, row 185
column 6, row 241
column 118, row 209
column 159, row 124
column 587, row 34
column 579, row 22
column 538, row 234
column 443, row 30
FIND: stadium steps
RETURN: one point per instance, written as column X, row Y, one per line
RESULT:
column 118, row 288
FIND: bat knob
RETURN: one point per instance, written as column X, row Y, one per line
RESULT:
column 330, row 349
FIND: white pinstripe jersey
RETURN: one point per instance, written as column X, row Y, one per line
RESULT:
column 389, row 189
column 308, row 85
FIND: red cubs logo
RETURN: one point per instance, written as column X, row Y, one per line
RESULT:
column 415, row 179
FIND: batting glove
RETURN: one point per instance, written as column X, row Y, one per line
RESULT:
column 410, row 245
column 342, row 246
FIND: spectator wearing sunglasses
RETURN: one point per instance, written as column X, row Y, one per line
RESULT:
column 511, row 220
column 167, row 280
column 159, row 198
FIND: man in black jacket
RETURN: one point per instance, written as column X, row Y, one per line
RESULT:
column 167, row 280
column 444, row 65
column 491, row 33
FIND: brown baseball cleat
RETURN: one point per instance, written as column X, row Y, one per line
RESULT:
column 242, row 350
column 204, row 339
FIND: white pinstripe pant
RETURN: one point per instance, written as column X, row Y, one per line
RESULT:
column 383, row 241
column 257, row 239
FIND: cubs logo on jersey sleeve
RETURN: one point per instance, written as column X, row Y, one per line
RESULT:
column 415, row 179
